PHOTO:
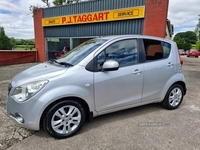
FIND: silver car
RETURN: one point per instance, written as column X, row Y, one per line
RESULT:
column 100, row 76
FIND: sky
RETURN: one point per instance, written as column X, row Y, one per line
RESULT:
column 17, row 20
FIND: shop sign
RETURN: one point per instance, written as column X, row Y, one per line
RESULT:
column 111, row 15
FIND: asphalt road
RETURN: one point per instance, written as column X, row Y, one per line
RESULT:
column 148, row 127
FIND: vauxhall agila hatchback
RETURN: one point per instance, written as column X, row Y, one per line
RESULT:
column 100, row 76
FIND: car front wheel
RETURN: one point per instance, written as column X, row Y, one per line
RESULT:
column 64, row 119
column 173, row 97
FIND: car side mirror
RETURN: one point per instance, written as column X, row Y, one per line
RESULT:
column 110, row 65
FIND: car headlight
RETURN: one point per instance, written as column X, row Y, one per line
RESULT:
column 26, row 91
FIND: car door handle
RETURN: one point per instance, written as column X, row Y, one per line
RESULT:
column 170, row 64
column 137, row 71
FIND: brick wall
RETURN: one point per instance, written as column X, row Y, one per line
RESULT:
column 155, row 17
column 10, row 57
column 39, row 35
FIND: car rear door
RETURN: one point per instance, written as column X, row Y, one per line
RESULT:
column 158, row 68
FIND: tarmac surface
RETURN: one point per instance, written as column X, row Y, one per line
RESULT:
column 147, row 127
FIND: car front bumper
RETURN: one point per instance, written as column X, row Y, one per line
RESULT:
column 27, row 114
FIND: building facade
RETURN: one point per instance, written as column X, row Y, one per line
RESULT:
column 76, row 23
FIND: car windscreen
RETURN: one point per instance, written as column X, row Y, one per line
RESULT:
column 79, row 53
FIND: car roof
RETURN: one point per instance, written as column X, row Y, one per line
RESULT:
column 112, row 37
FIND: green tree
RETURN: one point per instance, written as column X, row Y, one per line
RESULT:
column 31, row 42
column 179, row 37
column 184, row 46
column 46, row 2
column 74, row 1
column 188, row 37
column 59, row 2
column 23, row 42
column 197, row 46
column 55, row 2
column 63, row 2
column 13, row 42
column 4, row 40
column 32, row 8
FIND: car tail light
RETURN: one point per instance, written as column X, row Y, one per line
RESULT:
column 181, row 60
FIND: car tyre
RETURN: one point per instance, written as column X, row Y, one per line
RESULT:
column 64, row 119
column 173, row 97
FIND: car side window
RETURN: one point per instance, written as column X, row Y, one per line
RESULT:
column 124, row 52
column 166, row 49
column 156, row 50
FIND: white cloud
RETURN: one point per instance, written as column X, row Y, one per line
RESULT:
column 184, row 14
column 19, row 22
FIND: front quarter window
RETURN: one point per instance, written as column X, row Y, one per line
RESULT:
column 80, row 52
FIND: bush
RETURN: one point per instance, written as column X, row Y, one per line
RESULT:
column 24, row 47
column 184, row 46
column 197, row 46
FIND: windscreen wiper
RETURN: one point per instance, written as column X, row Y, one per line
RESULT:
column 65, row 63
column 53, row 61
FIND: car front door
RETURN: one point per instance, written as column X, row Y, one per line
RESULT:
column 122, row 87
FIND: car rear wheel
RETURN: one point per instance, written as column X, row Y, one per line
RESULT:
column 173, row 97
column 64, row 119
